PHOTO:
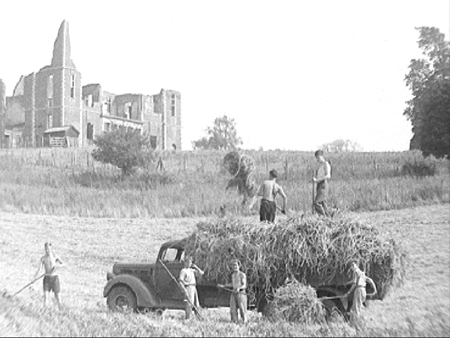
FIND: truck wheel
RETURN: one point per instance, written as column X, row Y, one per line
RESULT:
column 332, row 311
column 121, row 298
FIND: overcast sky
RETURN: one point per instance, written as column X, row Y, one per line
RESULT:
column 293, row 74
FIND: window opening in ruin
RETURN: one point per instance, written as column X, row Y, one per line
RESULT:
column 90, row 131
column 50, row 121
column 153, row 141
column 50, row 87
column 72, row 86
column 173, row 105
column 107, row 127
column 50, row 103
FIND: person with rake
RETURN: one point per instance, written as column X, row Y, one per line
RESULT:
column 268, row 190
column 50, row 261
column 188, row 282
column 359, row 282
column 238, row 298
column 321, row 177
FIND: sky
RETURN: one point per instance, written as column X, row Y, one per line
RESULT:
column 292, row 74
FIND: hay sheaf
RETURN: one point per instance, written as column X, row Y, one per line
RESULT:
column 315, row 251
column 241, row 167
column 296, row 302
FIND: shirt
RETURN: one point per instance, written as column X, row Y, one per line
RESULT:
column 359, row 278
column 269, row 189
column 187, row 276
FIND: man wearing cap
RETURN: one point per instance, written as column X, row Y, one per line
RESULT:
column 268, row 191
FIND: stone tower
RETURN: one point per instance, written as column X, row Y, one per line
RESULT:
column 53, row 95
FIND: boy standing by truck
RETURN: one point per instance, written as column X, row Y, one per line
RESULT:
column 238, row 298
column 188, row 282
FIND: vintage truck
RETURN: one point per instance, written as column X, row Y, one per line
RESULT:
column 149, row 287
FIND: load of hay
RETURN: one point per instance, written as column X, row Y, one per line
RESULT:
column 241, row 167
column 296, row 302
column 313, row 250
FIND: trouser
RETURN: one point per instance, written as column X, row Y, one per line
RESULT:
column 238, row 301
column 359, row 297
column 192, row 295
column 320, row 201
column 267, row 211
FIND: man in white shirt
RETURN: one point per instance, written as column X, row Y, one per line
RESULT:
column 321, row 177
column 188, row 282
column 359, row 286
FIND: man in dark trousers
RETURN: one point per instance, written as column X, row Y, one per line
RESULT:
column 267, row 192
column 321, row 177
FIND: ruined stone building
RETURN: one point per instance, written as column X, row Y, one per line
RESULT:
column 52, row 108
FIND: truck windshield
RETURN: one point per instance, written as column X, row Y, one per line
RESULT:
column 172, row 255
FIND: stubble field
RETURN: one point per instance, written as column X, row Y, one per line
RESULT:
column 90, row 246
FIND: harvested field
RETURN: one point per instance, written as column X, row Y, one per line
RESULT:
column 421, row 307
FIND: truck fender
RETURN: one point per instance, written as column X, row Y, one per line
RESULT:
column 144, row 296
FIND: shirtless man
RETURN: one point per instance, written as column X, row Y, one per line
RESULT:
column 50, row 261
column 268, row 191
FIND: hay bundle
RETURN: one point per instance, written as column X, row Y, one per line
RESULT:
column 296, row 302
column 316, row 251
column 241, row 167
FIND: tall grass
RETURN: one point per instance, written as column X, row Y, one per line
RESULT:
column 69, row 182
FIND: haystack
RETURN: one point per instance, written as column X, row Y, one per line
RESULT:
column 316, row 251
column 241, row 167
column 296, row 302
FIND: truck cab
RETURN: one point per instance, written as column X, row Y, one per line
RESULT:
column 150, row 287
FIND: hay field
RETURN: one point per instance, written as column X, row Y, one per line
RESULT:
column 68, row 182
column 89, row 246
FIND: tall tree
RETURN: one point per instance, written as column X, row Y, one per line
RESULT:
column 429, row 81
column 222, row 135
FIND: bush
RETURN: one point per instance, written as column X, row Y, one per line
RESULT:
column 419, row 167
column 123, row 149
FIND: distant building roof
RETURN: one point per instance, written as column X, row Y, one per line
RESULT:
column 58, row 129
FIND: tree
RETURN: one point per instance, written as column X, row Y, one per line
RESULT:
column 222, row 135
column 123, row 149
column 340, row 145
column 429, row 81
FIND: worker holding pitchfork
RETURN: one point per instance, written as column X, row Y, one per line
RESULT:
column 238, row 298
column 321, row 177
column 188, row 282
column 50, row 261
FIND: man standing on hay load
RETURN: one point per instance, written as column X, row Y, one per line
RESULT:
column 359, row 287
column 188, row 282
column 268, row 191
column 321, row 177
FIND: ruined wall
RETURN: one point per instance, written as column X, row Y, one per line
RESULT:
column 2, row 113
column 121, row 104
